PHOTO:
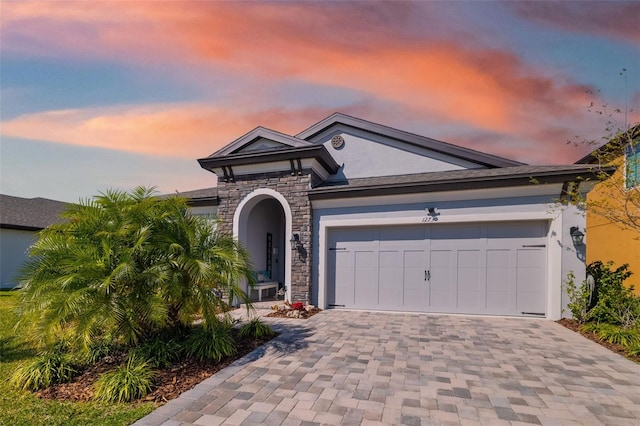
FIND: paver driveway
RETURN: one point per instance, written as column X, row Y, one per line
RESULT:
column 380, row 368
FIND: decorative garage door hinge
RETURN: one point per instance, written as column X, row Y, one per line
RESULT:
column 337, row 248
column 534, row 245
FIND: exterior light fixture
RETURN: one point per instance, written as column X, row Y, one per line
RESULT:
column 295, row 241
column 577, row 237
column 432, row 211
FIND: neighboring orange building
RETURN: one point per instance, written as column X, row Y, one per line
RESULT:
column 607, row 238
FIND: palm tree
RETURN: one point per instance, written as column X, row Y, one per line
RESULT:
column 125, row 266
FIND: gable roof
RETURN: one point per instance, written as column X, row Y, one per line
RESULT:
column 319, row 152
column 407, row 137
column 452, row 180
column 258, row 133
column 29, row 214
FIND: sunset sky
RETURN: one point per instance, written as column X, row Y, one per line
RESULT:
column 119, row 94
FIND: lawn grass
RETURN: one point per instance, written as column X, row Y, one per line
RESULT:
column 23, row 408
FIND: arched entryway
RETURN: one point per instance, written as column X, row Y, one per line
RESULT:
column 262, row 223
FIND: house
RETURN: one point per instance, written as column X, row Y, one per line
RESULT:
column 351, row 214
column 20, row 220
column 202, row 202
column 616, row 201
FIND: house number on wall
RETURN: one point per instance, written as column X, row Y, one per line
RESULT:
column 429, row 219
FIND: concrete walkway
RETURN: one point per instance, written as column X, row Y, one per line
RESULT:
column 380, row 368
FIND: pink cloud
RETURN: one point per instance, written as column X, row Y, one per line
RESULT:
column 176, row 130
column 433, row 81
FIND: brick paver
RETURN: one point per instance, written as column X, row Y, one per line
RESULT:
column 347, row 368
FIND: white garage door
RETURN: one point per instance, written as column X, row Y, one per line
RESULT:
column 479, row 268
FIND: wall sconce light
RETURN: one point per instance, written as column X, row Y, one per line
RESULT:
column 295, row 242
column 577, row 237
column 432, row 211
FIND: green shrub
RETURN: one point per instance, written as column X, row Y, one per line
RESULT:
column 591, row 327
column 47, row 369
column 613, row 334
column 634, row 349
column 215, row 342
column 256, row 329
column 127, row 382
column 158, row 353
column 96, row 351
column 579, row 297
column 615, row 303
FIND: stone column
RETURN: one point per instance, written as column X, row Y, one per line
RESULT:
column 294, row 188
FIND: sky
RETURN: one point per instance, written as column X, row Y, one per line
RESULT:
column 113, row 95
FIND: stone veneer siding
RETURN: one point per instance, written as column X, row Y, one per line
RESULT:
column 295, row 190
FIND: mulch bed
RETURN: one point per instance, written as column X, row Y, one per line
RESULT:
column 613, row 347
column 169, row 383
column 304, row 314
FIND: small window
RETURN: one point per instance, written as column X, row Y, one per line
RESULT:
column 632, row 165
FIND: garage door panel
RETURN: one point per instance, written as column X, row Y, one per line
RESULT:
column 344, row 278
column 442, row 285
column 530, row 295
column 366, row 278
column 391, row 278
column 516, row 230
column 530, row 259
column 470, row 284
column 473, row 267
column 401, row 234
column 456, row 232
column 349, row 236
column 413, row 282
column 499, row 276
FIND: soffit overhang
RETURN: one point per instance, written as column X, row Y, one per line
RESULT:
column 292, row 155
column 461, row 180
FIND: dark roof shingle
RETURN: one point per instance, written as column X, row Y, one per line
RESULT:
column 199, row 193
column 29, row 213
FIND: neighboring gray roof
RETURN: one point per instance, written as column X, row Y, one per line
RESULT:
column 199, row 193
column 29, row 214
column 410, row 138
column 199, row 197
column 453, row 180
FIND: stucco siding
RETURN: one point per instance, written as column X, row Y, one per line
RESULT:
column 385, row 156
column 13, row 253
column 607, row 241
column 573, row 258
column 209, row 212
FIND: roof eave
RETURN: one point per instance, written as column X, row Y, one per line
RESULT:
column 203, row 202
column 319, row 152
column 20, row 227
column 456, row 184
